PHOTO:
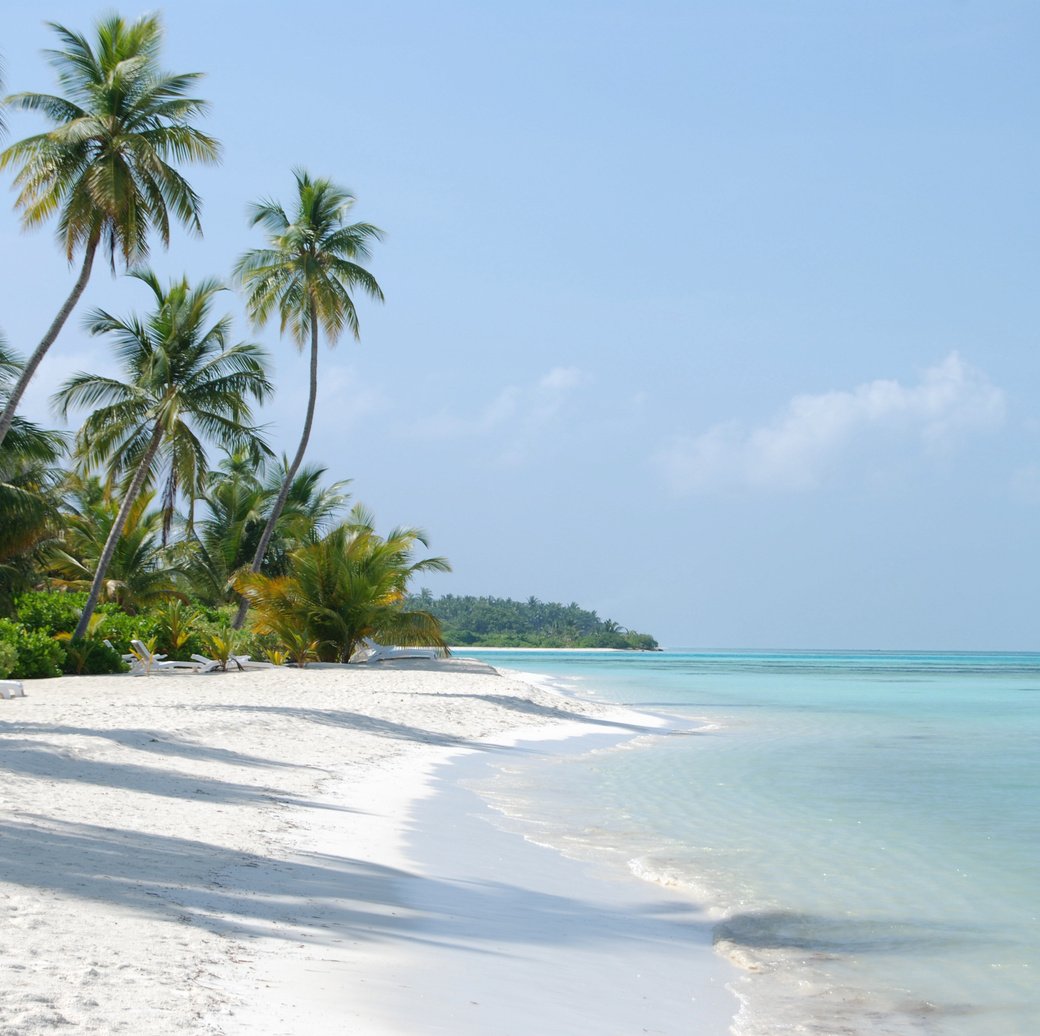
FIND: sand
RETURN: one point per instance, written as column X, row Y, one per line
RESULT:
column 289, row 852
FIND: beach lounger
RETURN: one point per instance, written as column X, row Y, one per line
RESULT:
column 144, row 663
column 204, row 664
column 241, row 662
column 11, row 689
column 370, row 651
column 247, row 662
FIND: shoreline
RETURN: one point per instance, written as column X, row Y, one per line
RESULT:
column 208, row 854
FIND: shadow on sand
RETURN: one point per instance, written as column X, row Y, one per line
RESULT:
column 318, row 898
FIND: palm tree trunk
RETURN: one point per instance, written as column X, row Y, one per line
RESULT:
column 116, row 531
column 48, row 339
column 279, row 504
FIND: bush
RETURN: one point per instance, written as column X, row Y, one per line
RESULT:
column 39, row 655
column 259, row 645
column 8, row 658
column 53, row 612
column 116, row 626
column 49, row 611
column 91, row 657
column 176, row 628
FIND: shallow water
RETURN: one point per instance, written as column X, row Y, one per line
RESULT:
column 865, row 827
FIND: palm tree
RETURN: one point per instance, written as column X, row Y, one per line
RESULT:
column 349, row 585
column 307, row 274
column 180, row 380
column 104, row 166
column 28, row 501
column 309, row 509
column 222, row 539
column 140, row 572
column 235, row 505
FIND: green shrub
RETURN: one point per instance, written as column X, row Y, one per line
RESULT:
column 176, row 628
column 91, row 657
column 49, row 610
column 119, row 628
column 39, row 655
column 259, row 645
column 222, row 643
column 8, row 658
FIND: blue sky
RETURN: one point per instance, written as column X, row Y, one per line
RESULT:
column 721, row 319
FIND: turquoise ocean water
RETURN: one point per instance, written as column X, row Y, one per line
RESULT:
column 865, row 827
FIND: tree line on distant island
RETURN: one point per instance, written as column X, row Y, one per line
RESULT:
column 502, row 622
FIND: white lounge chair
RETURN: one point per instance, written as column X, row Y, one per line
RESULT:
column 144, row 663
column 246, row 662
column 370, row 651
column 11, row 689
column 241, row 662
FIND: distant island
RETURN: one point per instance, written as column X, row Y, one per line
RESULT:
column 502, row 622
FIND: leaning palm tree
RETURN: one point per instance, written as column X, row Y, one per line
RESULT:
column 104, row 167
column 307, row 274
column 347, row 586
column 181, row 382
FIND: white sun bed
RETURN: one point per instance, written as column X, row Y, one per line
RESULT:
column 370, row 651
column 144, row 663
column 207, row 665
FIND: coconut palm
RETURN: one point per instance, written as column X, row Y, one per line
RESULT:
column 307, row 275
column 104, row 167
column 308, row 511
column 139, row 573
column 181, row 382
column 349, row 585
column 235, row 506
column 222, row 539
column 28, row 502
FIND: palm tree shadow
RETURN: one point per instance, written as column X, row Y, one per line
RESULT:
column 159, row 742
column 38, row 758
column 550, row 712
column 314, row 897
column 366, row 724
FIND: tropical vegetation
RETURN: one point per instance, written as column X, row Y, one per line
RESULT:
column 181, row 383
column 307, row 274
column 502, row 622
column 345, row 587
column 165, row 517
column 103, row 166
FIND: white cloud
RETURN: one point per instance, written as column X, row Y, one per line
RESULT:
column 345, row 400
column 813, row 433
column 560, row 379
column 520, row 409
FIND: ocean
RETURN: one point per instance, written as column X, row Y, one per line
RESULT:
column 864, row 827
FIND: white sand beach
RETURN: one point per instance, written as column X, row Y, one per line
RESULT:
column 260, row 853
